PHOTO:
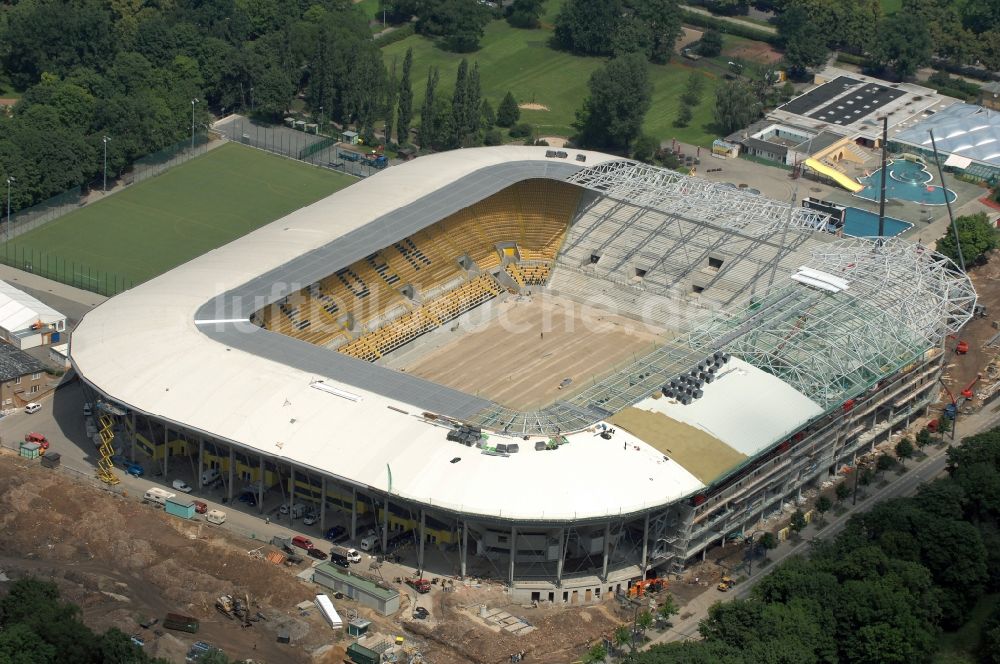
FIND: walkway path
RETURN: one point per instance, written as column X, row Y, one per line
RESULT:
column 902, row 485
column 732, row 19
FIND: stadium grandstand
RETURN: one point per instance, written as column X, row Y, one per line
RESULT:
column 365, row 355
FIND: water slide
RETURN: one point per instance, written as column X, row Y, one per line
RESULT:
column 835, row 175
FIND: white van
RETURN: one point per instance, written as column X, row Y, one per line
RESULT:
column 217, row 517
column 158, row 495
column 210, row 475
column 369, row 542
column 32, row 408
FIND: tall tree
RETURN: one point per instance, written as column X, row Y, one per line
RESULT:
column 428, row 112
column 586, row 26
column 405, row 116
column 459, row 102
column 524, row 13
column 977, row 235
column 805, row 47
column 620, row 96
column 663, row 19
column 736, row 106
column 508, row 112
column 391, row 100
column 473, row 97
column 903, row 44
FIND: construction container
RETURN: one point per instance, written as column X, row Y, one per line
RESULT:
column 361, row 655
column 182, row 507
column 181, row 623
column 51, row 460
column 30, row 450
column 358, row 627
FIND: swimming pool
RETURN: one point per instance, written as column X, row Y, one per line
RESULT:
column 907, row 181
column 862, row 223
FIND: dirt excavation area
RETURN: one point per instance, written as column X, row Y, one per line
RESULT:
column 124, row 562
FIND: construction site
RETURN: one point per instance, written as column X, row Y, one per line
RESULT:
column 451, row 378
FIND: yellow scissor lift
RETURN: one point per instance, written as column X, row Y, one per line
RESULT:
column 105, row 469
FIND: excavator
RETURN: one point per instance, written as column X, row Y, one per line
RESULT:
column 646, row 586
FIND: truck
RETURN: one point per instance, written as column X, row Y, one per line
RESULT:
column 352, row 555
column 378, row 161
column 420, row 585
column 181, row 623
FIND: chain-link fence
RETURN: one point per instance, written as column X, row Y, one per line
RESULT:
column 28, row 219
column 54, row 267
column 316, row 149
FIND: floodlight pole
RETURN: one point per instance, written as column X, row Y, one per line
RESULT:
column 10, row 178
column 105, row 141
column 193, row 102
column 881, row 197
column 951, row 216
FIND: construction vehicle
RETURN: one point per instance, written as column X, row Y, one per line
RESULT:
column 646, row 586
column 420, row 585
column 726, row 584
column 224, row 604
column 962, row 347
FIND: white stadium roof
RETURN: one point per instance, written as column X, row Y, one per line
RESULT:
column 145, row 350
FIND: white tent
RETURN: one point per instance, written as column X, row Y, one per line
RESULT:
column 24, row 321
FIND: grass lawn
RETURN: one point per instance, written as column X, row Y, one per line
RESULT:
column 167, row 220
column 891, row 6
column 522, row 62
column 960, row 647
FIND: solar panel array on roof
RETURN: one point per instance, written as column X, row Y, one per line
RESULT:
column 802, row 104
column 857, row 104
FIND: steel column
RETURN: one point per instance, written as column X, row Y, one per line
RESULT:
column 465, row 547
column 322, row 504
column 562, row 555
column 354, row 513
column 232, row 469
column 420, row 549
column 201, row 462
column 260, row 487
column 385, row 525
column 513, row 553
column 607, row 546
column 291, row 493
column 645, row 545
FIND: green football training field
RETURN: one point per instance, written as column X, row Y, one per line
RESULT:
column 174, row 217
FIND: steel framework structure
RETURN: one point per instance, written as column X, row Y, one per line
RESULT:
column 683, row 195
column 901, row 301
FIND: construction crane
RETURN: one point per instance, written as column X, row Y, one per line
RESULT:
column 105, row 468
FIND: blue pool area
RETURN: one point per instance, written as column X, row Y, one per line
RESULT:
column 907, row 181
column 862, row 223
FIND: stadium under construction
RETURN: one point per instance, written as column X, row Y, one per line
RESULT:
column 775, row 354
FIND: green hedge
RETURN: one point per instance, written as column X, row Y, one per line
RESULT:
column 399, row 34
column 728, row 27
column 850, row 58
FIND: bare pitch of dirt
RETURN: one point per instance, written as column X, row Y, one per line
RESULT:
column 522, row 356
column 533, row 107
column 122, row 562
column 961, row 370
column 688, row 37
column 562, row 634
column 754, row 51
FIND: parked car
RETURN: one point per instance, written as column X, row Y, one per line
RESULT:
column 248, row 497
column 420, row 613
column 302, row 542
column 335, row 534
column 200, row 507
column 317, row 554
column 32, row 407
column 309, row 520
column 181, row 485
column 134, row 469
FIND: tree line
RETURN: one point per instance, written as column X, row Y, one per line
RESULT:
column 961, row 33
column 131, row 72
column 883, row 590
